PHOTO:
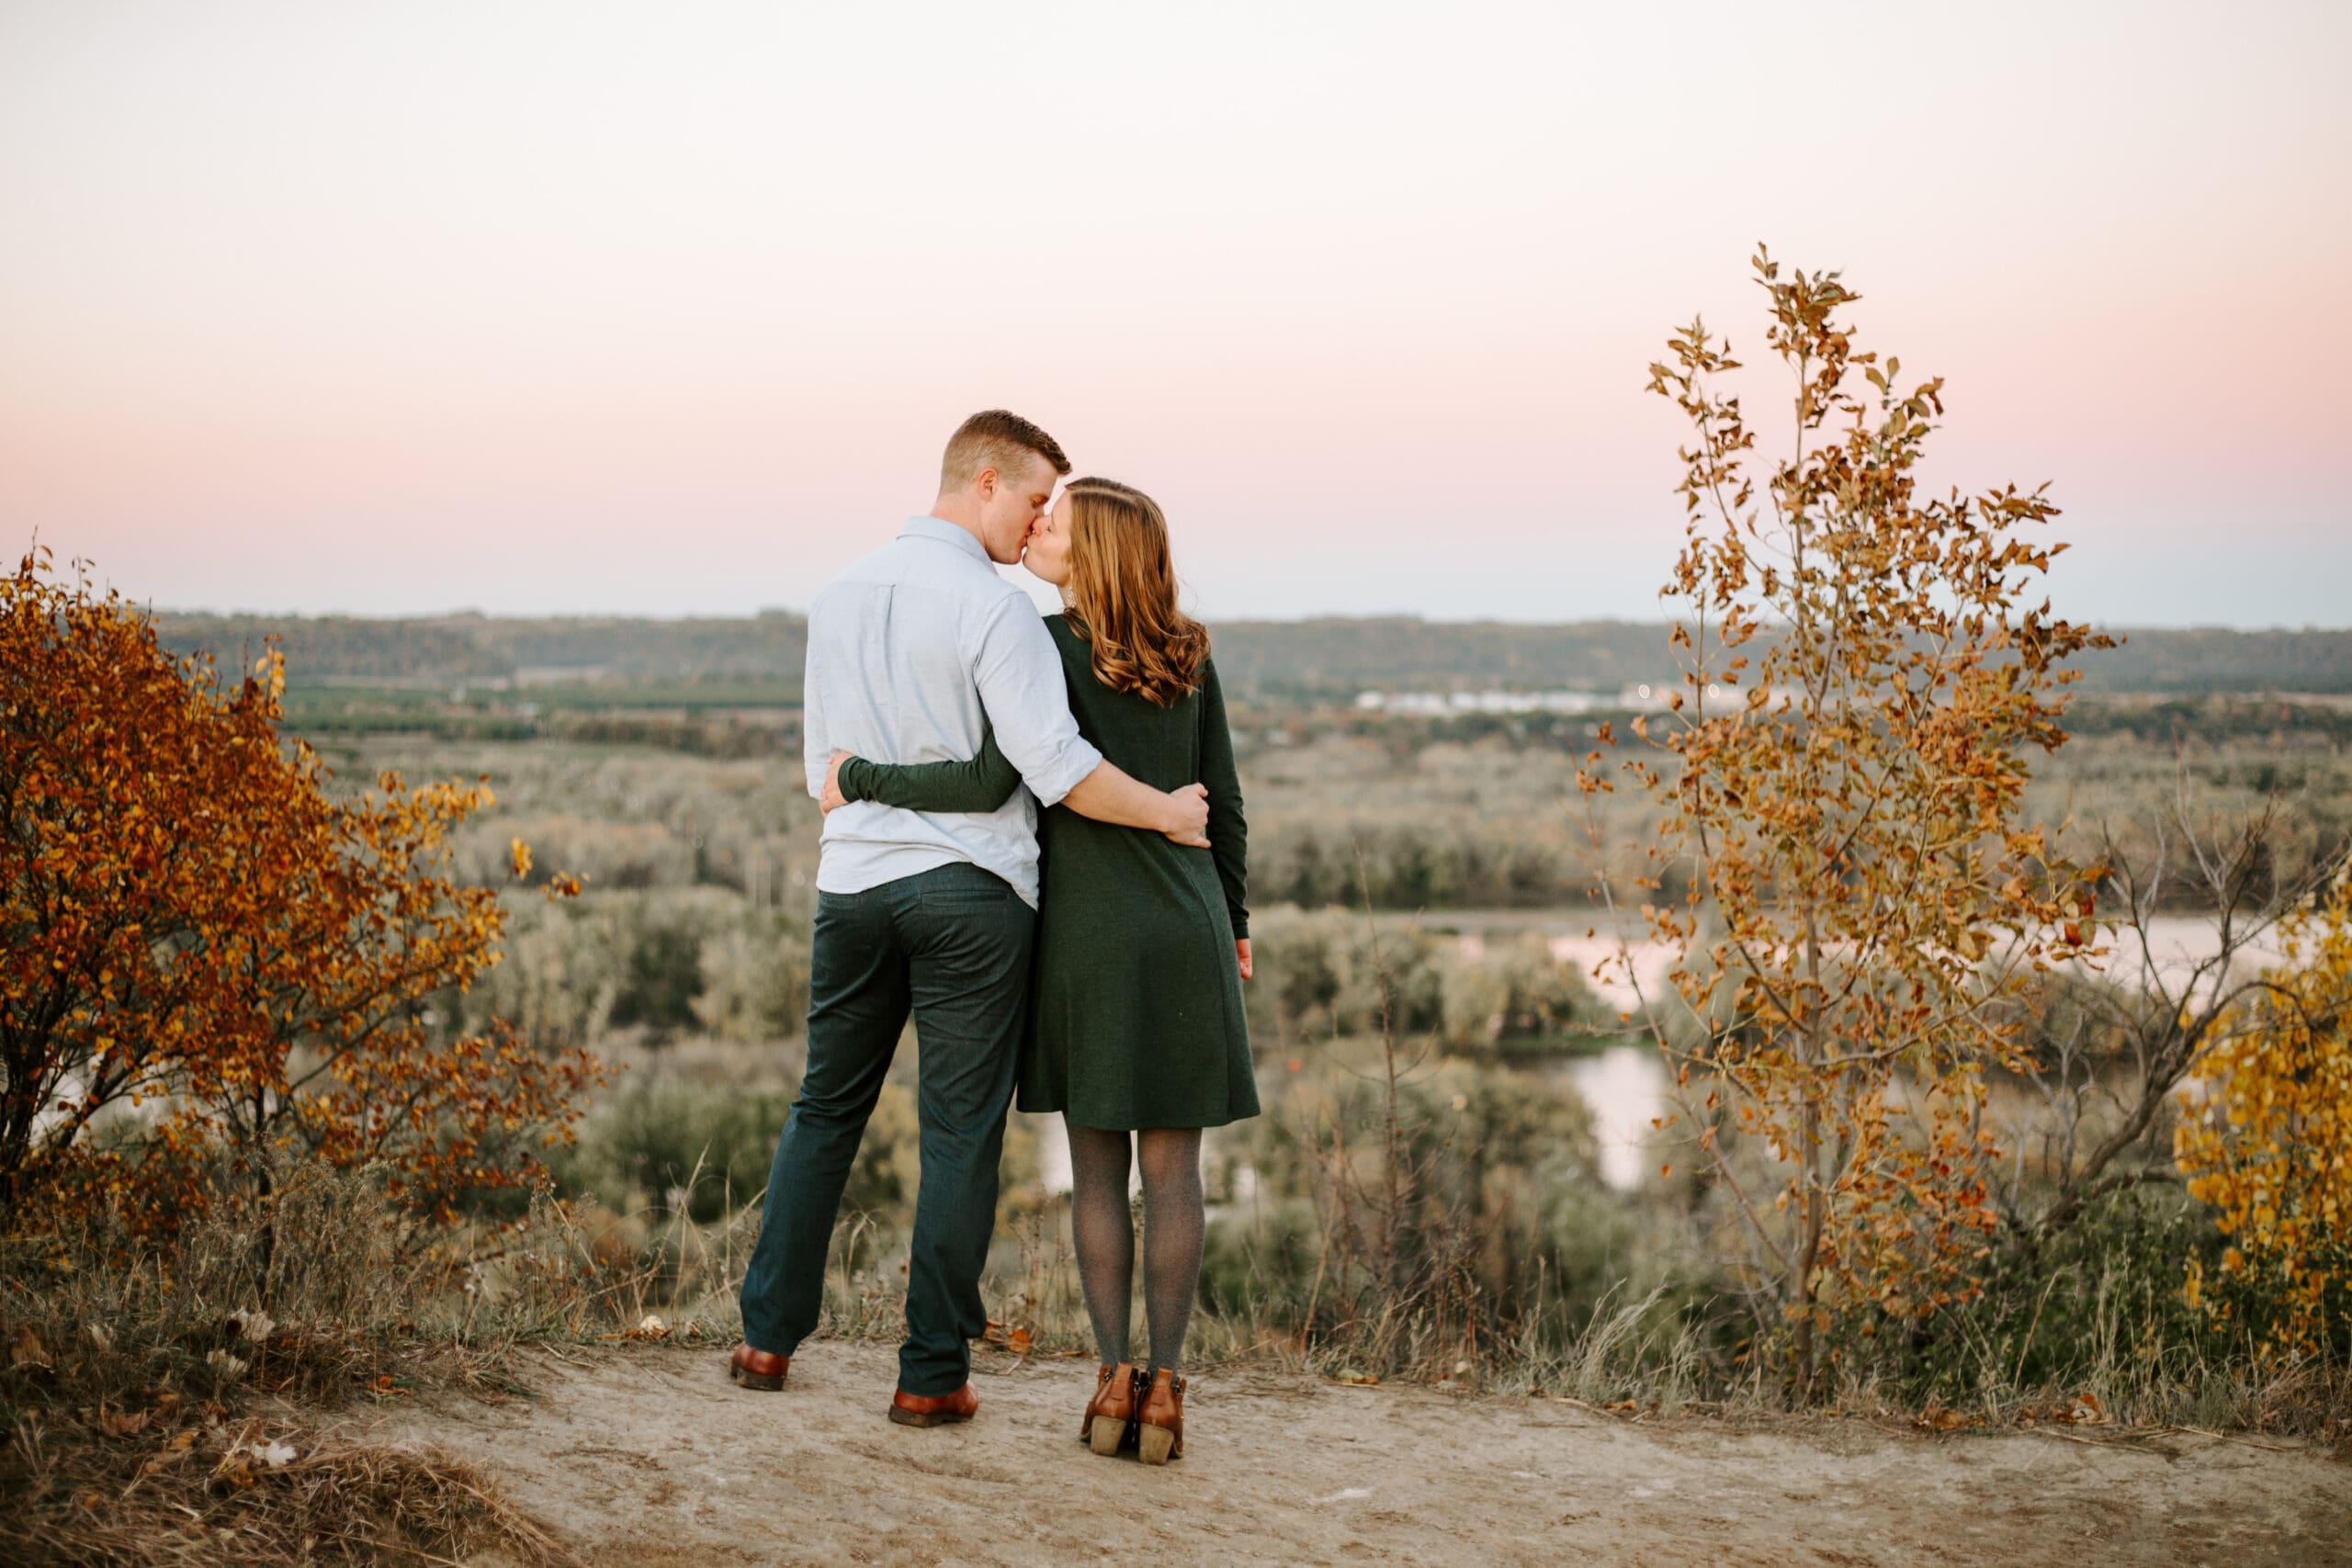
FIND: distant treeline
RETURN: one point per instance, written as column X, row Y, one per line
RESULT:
column 1323, row 660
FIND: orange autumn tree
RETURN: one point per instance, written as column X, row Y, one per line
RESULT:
column 1842, row 779
column 2266, row 1139
column 210, row 969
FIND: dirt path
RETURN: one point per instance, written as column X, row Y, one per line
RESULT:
column 650, row 1459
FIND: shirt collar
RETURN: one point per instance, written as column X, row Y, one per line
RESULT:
column 946, row 532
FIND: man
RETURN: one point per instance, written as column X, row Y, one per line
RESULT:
column 912, row 651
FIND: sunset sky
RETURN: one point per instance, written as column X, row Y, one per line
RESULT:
column 667, row 309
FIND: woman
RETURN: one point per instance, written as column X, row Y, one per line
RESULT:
column 1142, row 943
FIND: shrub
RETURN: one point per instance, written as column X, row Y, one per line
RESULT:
column 2268, row 1145
column 194, row 934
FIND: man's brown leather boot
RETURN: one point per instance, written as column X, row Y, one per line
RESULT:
column 934, row 1409
column 758, row 1369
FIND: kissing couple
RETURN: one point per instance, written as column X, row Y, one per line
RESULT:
column 1034, row 844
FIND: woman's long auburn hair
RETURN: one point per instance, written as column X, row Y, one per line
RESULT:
column 1122, row 593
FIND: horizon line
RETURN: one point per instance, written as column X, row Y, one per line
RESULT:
column 765, row 611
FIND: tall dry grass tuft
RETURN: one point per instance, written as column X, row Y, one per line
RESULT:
column 165, row 1407
column 336, row 1504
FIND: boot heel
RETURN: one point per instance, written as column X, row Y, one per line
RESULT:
column 1159, row 1416
column 1111, row 1413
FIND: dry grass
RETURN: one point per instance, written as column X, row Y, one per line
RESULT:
column 179, row 1409
column 167, row 1407
column 199, row 1492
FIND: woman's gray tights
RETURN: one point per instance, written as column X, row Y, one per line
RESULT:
column 1102, row 1226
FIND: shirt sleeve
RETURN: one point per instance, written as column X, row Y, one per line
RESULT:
column 1020, row 679
column 816, row 750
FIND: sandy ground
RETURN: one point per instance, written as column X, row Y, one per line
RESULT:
column 649, row 1458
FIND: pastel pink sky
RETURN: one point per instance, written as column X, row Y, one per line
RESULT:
column 668, row 309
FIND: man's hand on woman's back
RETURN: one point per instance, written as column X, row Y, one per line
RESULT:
column 1188, row 820
column 1107, row 795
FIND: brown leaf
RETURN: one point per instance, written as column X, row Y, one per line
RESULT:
column 121, row 1424
column 27, row 1350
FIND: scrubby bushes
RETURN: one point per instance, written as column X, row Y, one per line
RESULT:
column 1440, row 1213
column 1325, row 973
column 702, row 1150
column 657, row 964
column 205, row 952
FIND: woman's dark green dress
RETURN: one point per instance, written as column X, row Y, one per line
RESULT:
column 1136, row 1017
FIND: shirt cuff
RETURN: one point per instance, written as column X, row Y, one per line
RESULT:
column 1059, row 777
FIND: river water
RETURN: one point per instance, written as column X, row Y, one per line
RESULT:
column 1626, row 1086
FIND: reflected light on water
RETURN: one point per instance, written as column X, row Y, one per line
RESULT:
column 1626, row 1087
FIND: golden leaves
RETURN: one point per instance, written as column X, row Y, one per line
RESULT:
column 1852, row 819
column 230, row 912
column 2265, row 1140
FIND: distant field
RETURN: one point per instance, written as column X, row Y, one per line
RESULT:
column 756, row 662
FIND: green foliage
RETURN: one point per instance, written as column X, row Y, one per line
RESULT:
column 2098, row 1309
column 1324, row 974
column 1496, row 1221
column 1317, row 977
column 667, row 1143
column 661, row 980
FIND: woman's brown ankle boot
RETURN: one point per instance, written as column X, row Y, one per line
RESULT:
column 1110, row 1417
column 1159, row 1422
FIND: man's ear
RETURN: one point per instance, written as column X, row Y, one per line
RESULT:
column 985, row 483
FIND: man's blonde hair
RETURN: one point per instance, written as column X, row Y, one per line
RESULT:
column 998, row 439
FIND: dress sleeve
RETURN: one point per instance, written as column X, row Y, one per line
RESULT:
column 977, row 783
column 1228, row 831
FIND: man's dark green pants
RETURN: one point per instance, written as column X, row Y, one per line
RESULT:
column 952, row 946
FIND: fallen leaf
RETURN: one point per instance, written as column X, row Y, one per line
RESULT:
column 121, row 1424
column 178, row 1449
column 28, row 1351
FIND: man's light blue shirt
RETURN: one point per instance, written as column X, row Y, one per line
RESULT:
column 912, row 651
